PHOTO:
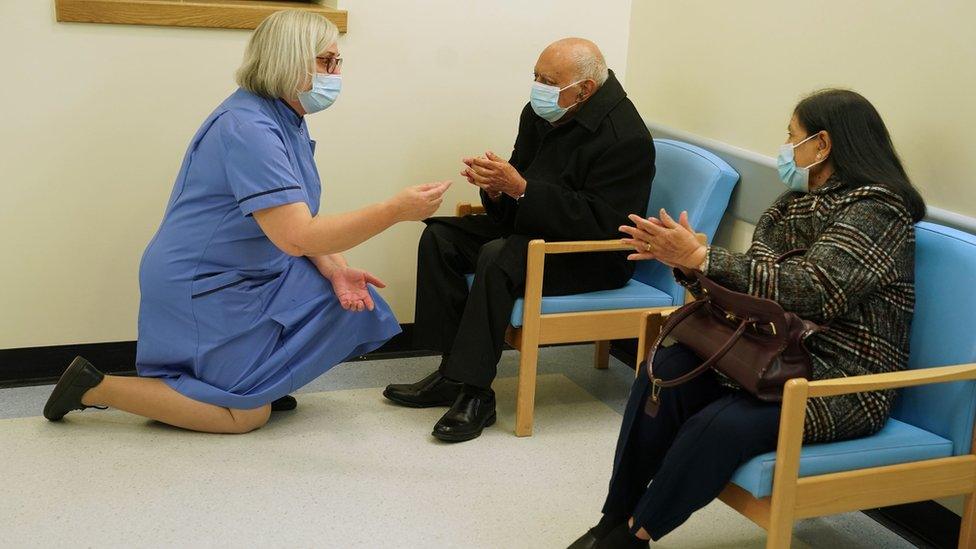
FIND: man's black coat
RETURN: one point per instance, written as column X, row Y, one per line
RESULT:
column 584, row 177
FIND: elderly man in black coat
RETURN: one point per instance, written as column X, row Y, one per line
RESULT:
column 583, row 160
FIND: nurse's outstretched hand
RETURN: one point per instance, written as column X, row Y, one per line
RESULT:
column 350, row 287
column 420, row 201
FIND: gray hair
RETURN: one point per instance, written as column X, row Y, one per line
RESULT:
column 590, row 65
column 280, row 57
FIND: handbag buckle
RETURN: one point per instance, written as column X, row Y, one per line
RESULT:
column 654, row 400
column 772, row 327
column 656, row 390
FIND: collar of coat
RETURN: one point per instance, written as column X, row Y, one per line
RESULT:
column 599, row 105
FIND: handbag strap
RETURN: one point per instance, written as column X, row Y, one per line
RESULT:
column 705, row 366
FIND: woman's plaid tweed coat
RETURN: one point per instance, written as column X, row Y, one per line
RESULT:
column 857, row 276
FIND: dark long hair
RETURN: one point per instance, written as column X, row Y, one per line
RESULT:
column 861, row 151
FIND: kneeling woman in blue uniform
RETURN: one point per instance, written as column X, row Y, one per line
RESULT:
column 245, row 297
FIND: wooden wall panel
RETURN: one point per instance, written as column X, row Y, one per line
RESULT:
column 230, row 14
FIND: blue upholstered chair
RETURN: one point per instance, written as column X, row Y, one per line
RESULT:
column 925, row 451
column 688, row 178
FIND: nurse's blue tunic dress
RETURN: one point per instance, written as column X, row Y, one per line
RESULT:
column 225, row 316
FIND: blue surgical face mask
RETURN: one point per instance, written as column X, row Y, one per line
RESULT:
column 325, row 90
column 545, row 101
column 793, row 176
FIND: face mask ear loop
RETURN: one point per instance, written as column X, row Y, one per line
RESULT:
column 804, row 141
column 571, row 85
column 815, row 163
column 577, row 102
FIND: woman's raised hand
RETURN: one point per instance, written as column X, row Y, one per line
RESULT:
column 671, row 242
column 420, row 201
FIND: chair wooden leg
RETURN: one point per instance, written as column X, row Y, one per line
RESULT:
column 783, row 500
column 525, row 395
column 967, row 534
column 601, row 355
column 780, row 533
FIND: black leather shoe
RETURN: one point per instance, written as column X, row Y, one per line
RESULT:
column 592, row 537
column 433, row 390
column 586, row 541
column 470, row 414
column 284, row 404
column 75, row 382
column 621, row 538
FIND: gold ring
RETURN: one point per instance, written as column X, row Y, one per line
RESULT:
column 647, row 247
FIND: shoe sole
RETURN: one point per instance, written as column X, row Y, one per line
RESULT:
column 409, row 404
column 465, row 438
column 63, row 383
column 277, row 406
column 289, row 409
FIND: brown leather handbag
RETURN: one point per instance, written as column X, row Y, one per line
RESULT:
column 750, row 340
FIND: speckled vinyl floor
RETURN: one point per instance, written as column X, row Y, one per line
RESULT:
column 345, row 470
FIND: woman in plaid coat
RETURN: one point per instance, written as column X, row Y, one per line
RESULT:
column 852, row 207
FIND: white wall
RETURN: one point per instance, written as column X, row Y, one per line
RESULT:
column 96, row 119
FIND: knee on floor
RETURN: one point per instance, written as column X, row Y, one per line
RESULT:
column 245, row 421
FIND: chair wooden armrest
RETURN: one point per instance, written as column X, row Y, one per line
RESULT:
column 890, row 380
column 581, row 246
column 466, row 208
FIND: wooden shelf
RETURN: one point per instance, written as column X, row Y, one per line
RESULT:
column 222, row 14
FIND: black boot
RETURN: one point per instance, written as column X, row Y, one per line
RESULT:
column 621, row 538
column 75, row 382
column 473, row 410
column 433, row 390
column 592, row 536
column 284, row 404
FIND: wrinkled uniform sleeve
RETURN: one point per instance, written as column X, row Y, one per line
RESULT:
column 614, row 187
column 257, row 166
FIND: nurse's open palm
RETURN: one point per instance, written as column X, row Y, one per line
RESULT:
column 350, row 286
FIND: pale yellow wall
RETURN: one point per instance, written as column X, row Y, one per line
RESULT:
column 733, row 71
column 96, row 119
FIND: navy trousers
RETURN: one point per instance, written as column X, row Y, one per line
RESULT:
column 669, row 466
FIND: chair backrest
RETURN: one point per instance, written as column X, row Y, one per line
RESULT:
column 687, row 178
column 943, row 333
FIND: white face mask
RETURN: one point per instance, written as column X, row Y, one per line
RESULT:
column 545, row 101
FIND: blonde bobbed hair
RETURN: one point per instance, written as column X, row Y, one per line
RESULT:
column 280, row 57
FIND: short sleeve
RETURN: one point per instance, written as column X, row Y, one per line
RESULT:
column 257, row 166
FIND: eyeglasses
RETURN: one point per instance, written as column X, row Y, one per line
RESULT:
column 332, row 64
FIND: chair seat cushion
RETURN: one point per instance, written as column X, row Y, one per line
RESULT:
column 633, row 295
column 896, row 443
